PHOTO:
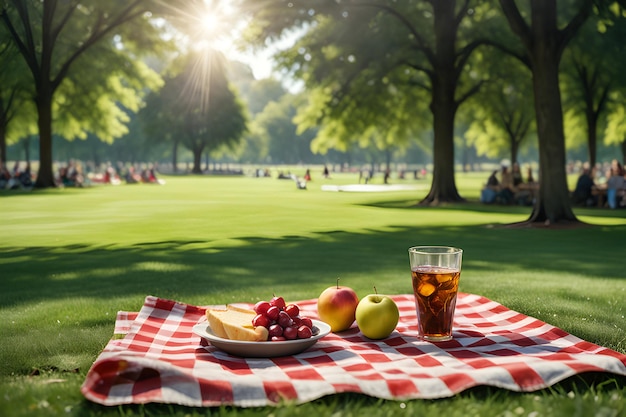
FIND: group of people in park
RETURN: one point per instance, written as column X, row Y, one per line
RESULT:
column 130, row 174
column 602, row 185
column 508, row 186
column 593, row 189
column 74, row 174
column 71, row 175
column 15, row 178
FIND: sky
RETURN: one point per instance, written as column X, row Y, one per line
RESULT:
column 221, row 24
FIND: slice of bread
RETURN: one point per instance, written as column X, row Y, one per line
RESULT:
column 235, row 323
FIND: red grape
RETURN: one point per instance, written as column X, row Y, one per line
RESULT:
column 284, row 319
column 304, row 332
column 307, row 322
column 293, row 310
column 278, row 302
column 275, row 330
column 261, row 320
column 278, row 339
column 261, row 307
column 290, row 333
column 272, row 313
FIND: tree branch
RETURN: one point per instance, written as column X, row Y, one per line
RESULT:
column 417, row 67
column 569, row 31
column 27, row 46
column 464, row 54
column 54, row 33
column 124, row 16
column 461, row 15
column 407, row 23
column 523, row 58
column 604, row 97
column 516, row 21
column 470, row 92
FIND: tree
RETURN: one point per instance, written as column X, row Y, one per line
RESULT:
column 59, row 43
column 356, row 55
column 501, row 115
column 16, row 111
column 543, row 42
column 591, row 72
column 197, row 107
column 615, row 132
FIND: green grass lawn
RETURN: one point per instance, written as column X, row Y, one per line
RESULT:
column 71, row 258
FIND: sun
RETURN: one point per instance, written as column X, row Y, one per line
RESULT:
column 210, row 25
column 212, row 20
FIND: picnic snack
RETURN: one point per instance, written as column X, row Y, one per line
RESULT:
column 377, row 316
column 235, row 323
column 282, row 321
column 336, row 306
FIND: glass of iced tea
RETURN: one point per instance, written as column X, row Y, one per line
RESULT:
column 435, row 272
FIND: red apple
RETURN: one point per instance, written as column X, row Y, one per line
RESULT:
column 337, row 306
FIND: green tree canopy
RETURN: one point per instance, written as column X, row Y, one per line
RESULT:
column 501, row 116
column 592, row 72
column 84, row 60
column 197, row 107
column 16, row 108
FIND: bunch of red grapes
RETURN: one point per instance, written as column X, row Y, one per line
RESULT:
column 282, row 321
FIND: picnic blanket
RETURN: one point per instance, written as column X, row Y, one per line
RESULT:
column 160, row 360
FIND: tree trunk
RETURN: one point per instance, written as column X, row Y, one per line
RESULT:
column 3, row 144
column 175, row 156
column 514, row 150
column 544, row 43
column 553, row 203
column 45, row 176
column 592, row 136
column 197, row 160
column 27, row 149
column 443, row 106
column 443, row 187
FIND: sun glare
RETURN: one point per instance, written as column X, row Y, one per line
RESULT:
column 210, row 26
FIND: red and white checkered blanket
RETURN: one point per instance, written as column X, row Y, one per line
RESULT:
column 161, row 360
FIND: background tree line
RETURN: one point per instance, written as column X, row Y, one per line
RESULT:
column 396, row 78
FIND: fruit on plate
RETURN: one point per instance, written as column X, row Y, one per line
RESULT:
column 283, row 321
column 377, row 316
column 235, row 323
column 336, row 306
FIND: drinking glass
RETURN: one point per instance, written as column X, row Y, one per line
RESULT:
column 435, row 272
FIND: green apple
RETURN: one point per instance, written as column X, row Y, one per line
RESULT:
column 336, row 306
column 377, row 316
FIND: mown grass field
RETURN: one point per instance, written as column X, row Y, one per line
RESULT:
column 71, row 258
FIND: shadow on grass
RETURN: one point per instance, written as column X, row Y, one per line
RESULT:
column 477, row 207
column 260, row 265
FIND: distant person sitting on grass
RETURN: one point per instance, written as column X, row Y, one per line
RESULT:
column 5, row 176
column 582, row 194
column 488, row 194
column 615, row 184
column 26, row 176
column 507, row 187
column 131, row 176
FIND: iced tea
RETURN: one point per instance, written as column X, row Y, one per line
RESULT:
column 435, row 289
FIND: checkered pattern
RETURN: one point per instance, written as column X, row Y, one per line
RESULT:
column 161, row 360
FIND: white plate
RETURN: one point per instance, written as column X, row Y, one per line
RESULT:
column 261, row 349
